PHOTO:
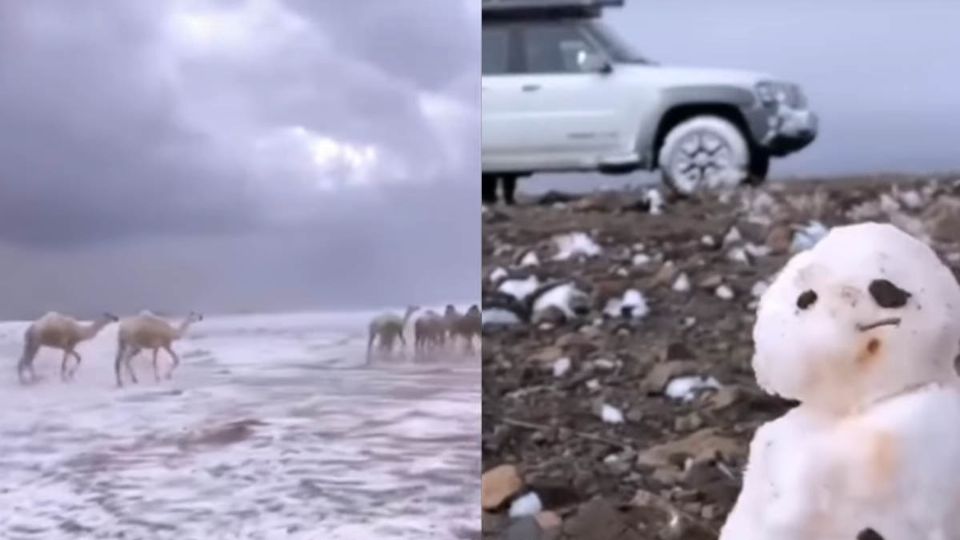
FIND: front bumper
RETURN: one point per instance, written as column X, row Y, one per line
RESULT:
column 784, row 130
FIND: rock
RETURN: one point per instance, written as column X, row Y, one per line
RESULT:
column 498, row 485
column 779, row 240
column 598, row 520
column 665, row 274
column 699, row 447
column 525, row 528
column 548, row 520
column 723, row 398
column 942, row 219
column 711, row 282
column 547, row 355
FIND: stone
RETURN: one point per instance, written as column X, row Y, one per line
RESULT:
column 548, row 520
column 498, row 485
column 701, row 446
column 779, row 240
column 547, row 355
column 942, row 218
column 524, row 528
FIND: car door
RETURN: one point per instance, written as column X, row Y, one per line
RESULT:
column 501, row 139
column 568, row 117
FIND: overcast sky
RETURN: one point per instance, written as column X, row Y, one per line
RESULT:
column 237, row 154
column 882, row 74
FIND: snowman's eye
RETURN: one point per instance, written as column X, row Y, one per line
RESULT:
column 806, row 299
column 888, row 295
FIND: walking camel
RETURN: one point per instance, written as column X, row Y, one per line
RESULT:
column 148, row 331
column 466, row 326
column 429, row 332
column 388, row 327
column 58, row 331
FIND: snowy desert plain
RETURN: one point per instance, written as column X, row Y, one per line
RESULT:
column 272, row 427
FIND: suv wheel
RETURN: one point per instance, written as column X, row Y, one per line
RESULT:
column 704, row 152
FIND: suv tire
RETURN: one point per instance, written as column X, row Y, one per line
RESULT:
column 704, row 152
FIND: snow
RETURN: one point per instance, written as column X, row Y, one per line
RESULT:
column 641, row 259
column 631, row 299
column 808, row 236
column 682, row 283
column 343, row 450
column 497, row 274
column 611, row 414
column 561, row 367
column 527, row 505
column 563, row 297
column 573, row 245
column 864, row 391
column 530, row 259
column 655, row 200
column 498, row 316
column 520, row 288
column 724, row 292
column 686, row 388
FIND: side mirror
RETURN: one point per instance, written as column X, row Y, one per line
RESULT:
column 593, row 63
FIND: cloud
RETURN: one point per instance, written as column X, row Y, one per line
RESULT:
column 163, row 123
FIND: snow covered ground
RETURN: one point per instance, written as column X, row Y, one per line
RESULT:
column 270, row 428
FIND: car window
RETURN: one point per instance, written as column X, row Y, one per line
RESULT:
column 496, row 51
column 553, row 48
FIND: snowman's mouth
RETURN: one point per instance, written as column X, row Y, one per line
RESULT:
column 892, row 321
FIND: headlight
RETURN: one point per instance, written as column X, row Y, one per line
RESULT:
column 778, row 93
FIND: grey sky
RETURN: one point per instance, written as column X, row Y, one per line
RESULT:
column 237, row 154
column 882, row 74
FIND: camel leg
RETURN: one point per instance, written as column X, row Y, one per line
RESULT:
column 370, row 339
column 76, row 366
column 63, row 365
column 156, row 372
column 117, row 363
column 176, row 361
column 26, row 362
column 128, row 362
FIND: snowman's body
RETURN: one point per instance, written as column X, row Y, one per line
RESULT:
column 875, row 443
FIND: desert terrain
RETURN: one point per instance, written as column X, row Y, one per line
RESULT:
column 634, row 425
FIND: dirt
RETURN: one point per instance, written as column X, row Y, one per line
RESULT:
column 672, row 468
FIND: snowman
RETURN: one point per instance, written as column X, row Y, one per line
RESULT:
column 862, row 330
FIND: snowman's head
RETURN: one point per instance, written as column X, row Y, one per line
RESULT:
column 867, row 312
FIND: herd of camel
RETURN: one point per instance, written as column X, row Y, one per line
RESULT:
column 431, row 331
column 144, row 331
column 148, row 332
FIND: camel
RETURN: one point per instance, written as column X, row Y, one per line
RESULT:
column 148, row 331
column 467, row 326
column 430, row 332
column 62, row 332
column 388, row 327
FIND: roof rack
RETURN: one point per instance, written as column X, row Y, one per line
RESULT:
column 546, row 8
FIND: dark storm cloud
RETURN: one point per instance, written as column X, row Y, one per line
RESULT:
column 144, row 140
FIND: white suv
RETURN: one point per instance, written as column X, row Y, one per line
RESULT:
column 561, row 92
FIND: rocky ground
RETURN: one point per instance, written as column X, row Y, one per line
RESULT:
column 603, row 427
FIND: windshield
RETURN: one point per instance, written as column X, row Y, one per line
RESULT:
column 618, row 49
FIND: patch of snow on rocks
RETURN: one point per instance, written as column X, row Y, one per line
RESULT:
column 527, row 505
column 808, row 236
column 497, row 274
column 655, row 200
column 561, row 367
column 520, row 288
column 724, row 292
column 682, row 283
column 575, row 244
column 498, row 316
column 530, row 259
column 611, row 414
column 686, row 388
column 641, row 259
